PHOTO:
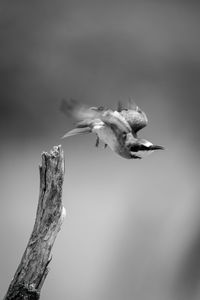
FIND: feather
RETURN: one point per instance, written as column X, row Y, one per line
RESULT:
column 132, row 105
column 78, row 111
column 136, row 118
column 77, row 131
column 120, row 107
column 116, row 121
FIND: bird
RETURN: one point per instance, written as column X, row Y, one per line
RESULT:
column 115, row 128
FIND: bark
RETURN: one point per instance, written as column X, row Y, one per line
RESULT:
column 33, row 268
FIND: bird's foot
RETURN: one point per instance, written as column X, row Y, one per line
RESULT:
column 97, row 142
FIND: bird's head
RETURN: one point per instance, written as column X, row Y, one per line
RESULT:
column 140, row 148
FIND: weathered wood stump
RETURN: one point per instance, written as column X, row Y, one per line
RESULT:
column 33, row 268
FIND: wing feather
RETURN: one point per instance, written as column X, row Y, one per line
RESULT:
column 116, row 121
column 78, row 111
column 76, row 131
column 136, row 118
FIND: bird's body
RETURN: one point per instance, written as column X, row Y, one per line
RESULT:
column 108, row 137
column 117, row 129
column 105, row 134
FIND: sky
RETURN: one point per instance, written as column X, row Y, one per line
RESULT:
column 132, row 227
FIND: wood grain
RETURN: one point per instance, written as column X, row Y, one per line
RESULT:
column 33, row 268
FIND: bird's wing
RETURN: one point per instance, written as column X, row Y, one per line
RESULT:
column 116, row 121
column 135, row 117
column 76, row 131
column 82, row 114
column 87, row 117
column 78, row 111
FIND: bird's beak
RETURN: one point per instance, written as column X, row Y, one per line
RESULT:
column 156, row 147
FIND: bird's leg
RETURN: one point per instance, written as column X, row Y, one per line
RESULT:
column 105, row 145
column 97, row 141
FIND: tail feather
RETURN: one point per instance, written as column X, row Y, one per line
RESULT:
column 76, row 131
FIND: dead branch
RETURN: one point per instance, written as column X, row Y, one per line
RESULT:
column 33, row 268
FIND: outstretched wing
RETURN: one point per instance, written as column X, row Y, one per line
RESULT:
column 87, row 117
column 136, row 118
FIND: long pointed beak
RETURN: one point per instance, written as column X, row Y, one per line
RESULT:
column 156, row 147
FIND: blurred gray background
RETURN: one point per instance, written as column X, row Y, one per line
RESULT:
column 132, row 229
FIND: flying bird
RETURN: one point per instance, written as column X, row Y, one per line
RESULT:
column 118, row 129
